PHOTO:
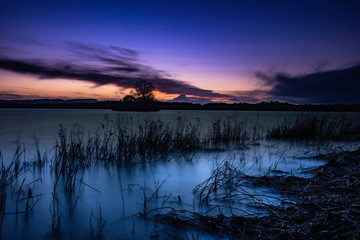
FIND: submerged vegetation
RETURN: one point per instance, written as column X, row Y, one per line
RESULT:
column 326, row 205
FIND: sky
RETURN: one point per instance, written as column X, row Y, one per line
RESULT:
column 192, row 51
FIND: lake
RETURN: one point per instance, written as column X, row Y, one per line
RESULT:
column 110, row 200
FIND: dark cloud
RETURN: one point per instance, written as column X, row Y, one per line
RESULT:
column 101, row 66
column 245, row 99
column 337, row 86
column 238, row 96
column 248, row 95
column 12, row 96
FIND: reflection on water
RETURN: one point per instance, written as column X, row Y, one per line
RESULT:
column 109, row 200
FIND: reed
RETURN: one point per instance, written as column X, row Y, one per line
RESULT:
column 7, row 177
column 308, row 127
column 226, row 133
column 8, row 174
column 150, row 140
column 55, row 212
column 228, row 183
column 325, row 206
column 97, row 233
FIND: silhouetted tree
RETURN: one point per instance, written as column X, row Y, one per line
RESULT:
column 129, row 98
column 144, row 91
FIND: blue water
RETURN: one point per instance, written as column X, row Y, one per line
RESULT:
column 119, row 192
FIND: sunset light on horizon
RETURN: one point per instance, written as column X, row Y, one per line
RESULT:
column 228, row 51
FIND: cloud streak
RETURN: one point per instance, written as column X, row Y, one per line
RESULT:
column 336, row 86
column 121, row 67
column 4, row 95
column 101, row 66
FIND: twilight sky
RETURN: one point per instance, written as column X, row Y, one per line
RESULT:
column 196, row 51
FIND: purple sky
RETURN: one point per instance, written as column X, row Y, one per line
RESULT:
column 196, row 51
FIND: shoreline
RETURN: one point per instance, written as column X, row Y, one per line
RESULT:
column 119, row 105
column 325, row 206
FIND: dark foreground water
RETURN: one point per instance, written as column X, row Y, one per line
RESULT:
column 110, row 201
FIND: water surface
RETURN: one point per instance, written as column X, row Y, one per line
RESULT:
column 119, row 192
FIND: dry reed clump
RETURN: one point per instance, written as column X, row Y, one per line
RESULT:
column 126, row 144
column 307, row 127
column 225, row 133
column 151, row 139
column 325, row 206
column 8, row 174
column 225, row 183
column 122, row 144
column 25, row 200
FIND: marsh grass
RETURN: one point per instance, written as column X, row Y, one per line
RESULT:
column 8, row 175
column 97, row 231
column 228, row 184
column 22, row 195
column 151, row 140
column 325, row 206
column 308, row 127
column 70, row 158
column 149, row 196
column 222, row 134
column 222, row 183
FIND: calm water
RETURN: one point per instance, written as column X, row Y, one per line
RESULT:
column 119, row 192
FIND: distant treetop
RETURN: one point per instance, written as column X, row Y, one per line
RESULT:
column 143, row 92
